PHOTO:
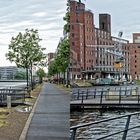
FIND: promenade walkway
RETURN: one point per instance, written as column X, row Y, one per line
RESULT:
column 51, row 117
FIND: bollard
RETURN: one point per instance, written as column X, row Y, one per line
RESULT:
column 8, row 101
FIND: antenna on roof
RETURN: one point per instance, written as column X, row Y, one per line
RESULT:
column 80, row 1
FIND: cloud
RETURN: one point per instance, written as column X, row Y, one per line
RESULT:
column 44, row 15
column 124, row 15
column 40, row 14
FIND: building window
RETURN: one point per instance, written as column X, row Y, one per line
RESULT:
column 72, row 34
column 135, row 66
column 72, row 27
column 103, row 25
column 73, row 44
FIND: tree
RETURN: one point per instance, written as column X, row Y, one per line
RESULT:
column 20, row 75
column 25, row 50
column 52, row 68
column 67, row 18
column 63, row 54
column 62, row 59
column 41, row 73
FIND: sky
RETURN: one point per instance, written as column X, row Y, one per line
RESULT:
column 18, row 15
column 124, row 15
column 47, row 17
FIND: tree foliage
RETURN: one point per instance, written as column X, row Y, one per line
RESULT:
column 67, row 18
column 61, row 61
column 52, row 69
column 24, row 49
column 40, row 73
column 62, row 58
column 20, row 75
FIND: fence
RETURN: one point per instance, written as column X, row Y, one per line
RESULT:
column 18, row 95
column 73, row 129
column 100, row 96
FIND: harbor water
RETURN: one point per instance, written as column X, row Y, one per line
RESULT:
column 94, row 132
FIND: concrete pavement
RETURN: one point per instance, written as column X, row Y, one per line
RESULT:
column 51, row 117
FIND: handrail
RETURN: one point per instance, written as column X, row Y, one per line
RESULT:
column 104, row 120
column 101, row 94
column 74, row 128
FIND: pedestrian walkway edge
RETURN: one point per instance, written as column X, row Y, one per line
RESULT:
column 26, row 127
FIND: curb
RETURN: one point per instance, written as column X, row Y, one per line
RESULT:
column 26, row 127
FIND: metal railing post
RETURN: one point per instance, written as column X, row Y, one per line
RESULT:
column 78, row 94
column 101, row 99
column 107, row 95
column 82, row 98
column 120, row 96
column 126, row 128
column 137, row 93
column 125, row 91
column 95, row 93
column 131, row 91
column 87, row 94
column 73, row 134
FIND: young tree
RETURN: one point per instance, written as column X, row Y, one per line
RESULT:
column 62, row 57
column 52, row 68
column 41, row 73
column 67, row 18
column 25, row 50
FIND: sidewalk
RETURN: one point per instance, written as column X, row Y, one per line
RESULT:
column 51, row 117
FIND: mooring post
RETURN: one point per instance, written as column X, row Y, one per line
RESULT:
column 8, row 101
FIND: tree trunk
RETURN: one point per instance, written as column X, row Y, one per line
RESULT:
column 27, row 77
column 31, row 77
column 64, row 79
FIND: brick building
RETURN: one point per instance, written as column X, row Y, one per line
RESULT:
column 50, row 57
column 135, row 56
column 89, row 45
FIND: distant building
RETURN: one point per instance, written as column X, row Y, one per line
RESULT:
column 50, row 57
column 8, row 72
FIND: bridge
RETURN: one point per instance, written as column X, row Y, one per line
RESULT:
column 122, row 97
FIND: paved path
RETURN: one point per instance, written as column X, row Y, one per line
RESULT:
column 51, row 117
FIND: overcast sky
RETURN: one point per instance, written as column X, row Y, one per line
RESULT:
column 124, row 13
column 44, row 15
column 47, row 17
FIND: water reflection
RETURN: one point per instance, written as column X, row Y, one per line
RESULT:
column 24, row 109
column 96, row 131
